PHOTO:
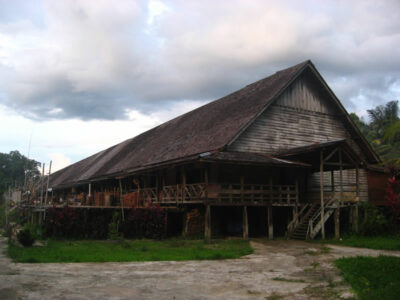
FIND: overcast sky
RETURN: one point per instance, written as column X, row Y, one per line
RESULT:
column 79, row 76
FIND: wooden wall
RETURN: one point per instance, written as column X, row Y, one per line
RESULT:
column 377, row 183
column 301, row 116
column 349, row 181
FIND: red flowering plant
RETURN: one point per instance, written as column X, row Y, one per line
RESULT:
column 60, row 222
column 148, row 222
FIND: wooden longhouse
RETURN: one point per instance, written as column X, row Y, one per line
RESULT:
column 278, row 156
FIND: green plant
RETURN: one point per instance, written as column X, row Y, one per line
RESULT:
column 113, row 232
column 375, row 222
column 25, row 237
column 372, row 277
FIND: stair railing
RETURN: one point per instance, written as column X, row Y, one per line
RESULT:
column 292, row 225
column 317, row 215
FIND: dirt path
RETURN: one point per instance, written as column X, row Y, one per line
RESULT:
column 290, row 269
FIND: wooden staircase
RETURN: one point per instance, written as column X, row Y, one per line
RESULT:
column 310, row 224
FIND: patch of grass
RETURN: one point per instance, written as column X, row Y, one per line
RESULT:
column 372, row 277
column 371, row 242
column 321, row 292
column 288, row 280
column 137, row 250
column 275, row 296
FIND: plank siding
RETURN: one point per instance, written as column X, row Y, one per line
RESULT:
column 349, row 181
column 299, row 117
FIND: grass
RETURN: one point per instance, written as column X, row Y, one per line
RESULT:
column 389, row 242
column 372, row 277
column 123, row 251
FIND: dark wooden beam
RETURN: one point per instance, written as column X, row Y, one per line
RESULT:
column 321, row 186
column 270, row 223
column 207, row 224
column 245, row 224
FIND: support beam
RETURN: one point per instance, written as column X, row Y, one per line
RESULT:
column 245, row 224
column 270, row 223
column 120, row 199
column 207, row 224
column 337, row 223
column 183, row 174
column 355, row 218
column 355, row 222
column 321, row 186
column 241, row 188
column 330, row 155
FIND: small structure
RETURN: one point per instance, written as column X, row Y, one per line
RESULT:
column 279, row 156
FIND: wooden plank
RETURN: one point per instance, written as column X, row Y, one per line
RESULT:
column 321, row 172
column 207, row 224
column 270, row 223
column 245, row 224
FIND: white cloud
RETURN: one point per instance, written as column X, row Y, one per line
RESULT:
column 98, row 60
column 84, row 75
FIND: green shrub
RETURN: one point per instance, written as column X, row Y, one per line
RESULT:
column 25, row 237
column 375, row 222
column 113, row 232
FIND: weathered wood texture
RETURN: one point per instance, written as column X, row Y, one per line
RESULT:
column 377, row 182
column 349, row 182
column 299, row 117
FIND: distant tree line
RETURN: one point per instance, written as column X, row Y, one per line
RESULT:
column 383, row 131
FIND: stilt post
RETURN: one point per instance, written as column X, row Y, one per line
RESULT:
column 270, row 223
column 207, row 223
column 321, row 186
column 245, row 224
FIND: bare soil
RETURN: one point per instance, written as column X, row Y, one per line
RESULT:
column 276, row 270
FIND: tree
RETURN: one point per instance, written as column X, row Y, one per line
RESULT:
column 383, row 131
column 13, row 169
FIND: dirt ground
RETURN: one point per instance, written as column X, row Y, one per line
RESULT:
column 276, row 270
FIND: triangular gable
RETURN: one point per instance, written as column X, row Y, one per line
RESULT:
column 305, row 111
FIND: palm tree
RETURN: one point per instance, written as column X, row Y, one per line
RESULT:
column 383, row 116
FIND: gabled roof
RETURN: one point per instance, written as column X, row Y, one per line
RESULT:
column 206, row 129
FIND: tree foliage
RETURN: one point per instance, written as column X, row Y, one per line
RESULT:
column 383, row 131
column 13, row 168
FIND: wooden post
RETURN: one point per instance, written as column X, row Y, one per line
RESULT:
column 206, row 180
column 321, row 186
column 241, row 188
column 271, row 193
column 245, row 224
column 337, row 223
column 41, row 186
column 121, row 201
column 297, row 194
column 270, row 223
column 183, row 183
column 207, row 223
column 47, row 185
column 355, row 221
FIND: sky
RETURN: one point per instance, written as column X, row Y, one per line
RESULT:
column 77, row 77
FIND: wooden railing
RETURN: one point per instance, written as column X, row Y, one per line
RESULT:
column 223, row 194
column 216, row 194
column 252, row 193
